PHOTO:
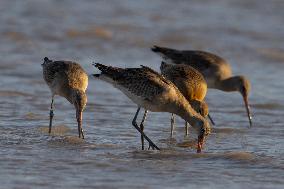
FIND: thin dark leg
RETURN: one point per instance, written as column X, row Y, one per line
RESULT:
column 142, row 127
column 51, row 114
column 172, row 125
column 82, row 132
column 211, row 119
column 141, row 132
column 186, row 128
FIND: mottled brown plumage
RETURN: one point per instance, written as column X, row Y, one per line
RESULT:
column 216, row 71
column 188, row 80
column 69, row 80
column 191, row 84
column 150, row 90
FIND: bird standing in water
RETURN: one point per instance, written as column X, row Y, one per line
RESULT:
column 216, row 71
column 69, row 80
column 150, row 90
column 191, row 84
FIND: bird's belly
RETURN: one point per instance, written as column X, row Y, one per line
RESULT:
column 57, row 89
column 141, row 101
column 148, row 105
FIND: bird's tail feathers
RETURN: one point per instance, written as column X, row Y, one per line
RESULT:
column 108, row 73
column 157, row 49
column 161, row 50
column 101, row 67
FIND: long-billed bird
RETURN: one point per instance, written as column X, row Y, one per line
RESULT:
column 150, row 90
column 69, row 80
column 216, row 71
column 191, row 84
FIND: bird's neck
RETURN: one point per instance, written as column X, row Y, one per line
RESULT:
column 186, row 112
column 228, row 85
column 70, row 95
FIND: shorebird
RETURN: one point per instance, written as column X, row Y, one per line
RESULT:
column 69, row 80
column 191, row 84
column 216, row 71
column 152, row 91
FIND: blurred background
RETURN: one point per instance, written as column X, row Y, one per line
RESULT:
column 247, row 33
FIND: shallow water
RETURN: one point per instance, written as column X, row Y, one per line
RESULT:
column 249, row 34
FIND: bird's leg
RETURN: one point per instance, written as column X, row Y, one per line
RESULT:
column 142, row 127
column 186, row 128
column 79, row 116
column 134, row 123
column 51, row 114
column 213, row 123
column 172, row 125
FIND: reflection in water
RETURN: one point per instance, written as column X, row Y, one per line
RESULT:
column 57, row 131
column 121, row 34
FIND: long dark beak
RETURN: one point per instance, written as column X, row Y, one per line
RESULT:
column 248, row 110
column 79, row 116
column 210, row 118
column 200, row 142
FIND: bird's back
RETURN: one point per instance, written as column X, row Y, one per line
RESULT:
column 142, row 85
column 143, row 82
column 213, row 67
column 62, row 75
column 189, row 81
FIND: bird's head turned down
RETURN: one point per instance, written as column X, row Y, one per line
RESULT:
column 244, row 88
column 79, row 99
column 203, row 131
column 200, row 107
column 46, row 60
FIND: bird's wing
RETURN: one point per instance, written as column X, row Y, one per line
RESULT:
column 200, row 60
column 143, row 82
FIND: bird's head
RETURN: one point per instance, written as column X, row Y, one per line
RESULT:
column 200, row 107
column 203, row 131
column 244, row 88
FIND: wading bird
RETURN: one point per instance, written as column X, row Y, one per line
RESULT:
column 191, row 84
column 216, row 71
column 150, row 90
column 69, row 80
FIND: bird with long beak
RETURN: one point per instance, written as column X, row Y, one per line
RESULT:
column 191, row 84
column 216, row 71
column 150, row 90
column 69, row 80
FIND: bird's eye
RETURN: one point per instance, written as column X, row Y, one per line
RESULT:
column 202, row 130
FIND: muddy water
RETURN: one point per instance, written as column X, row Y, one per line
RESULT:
column 249, row 34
